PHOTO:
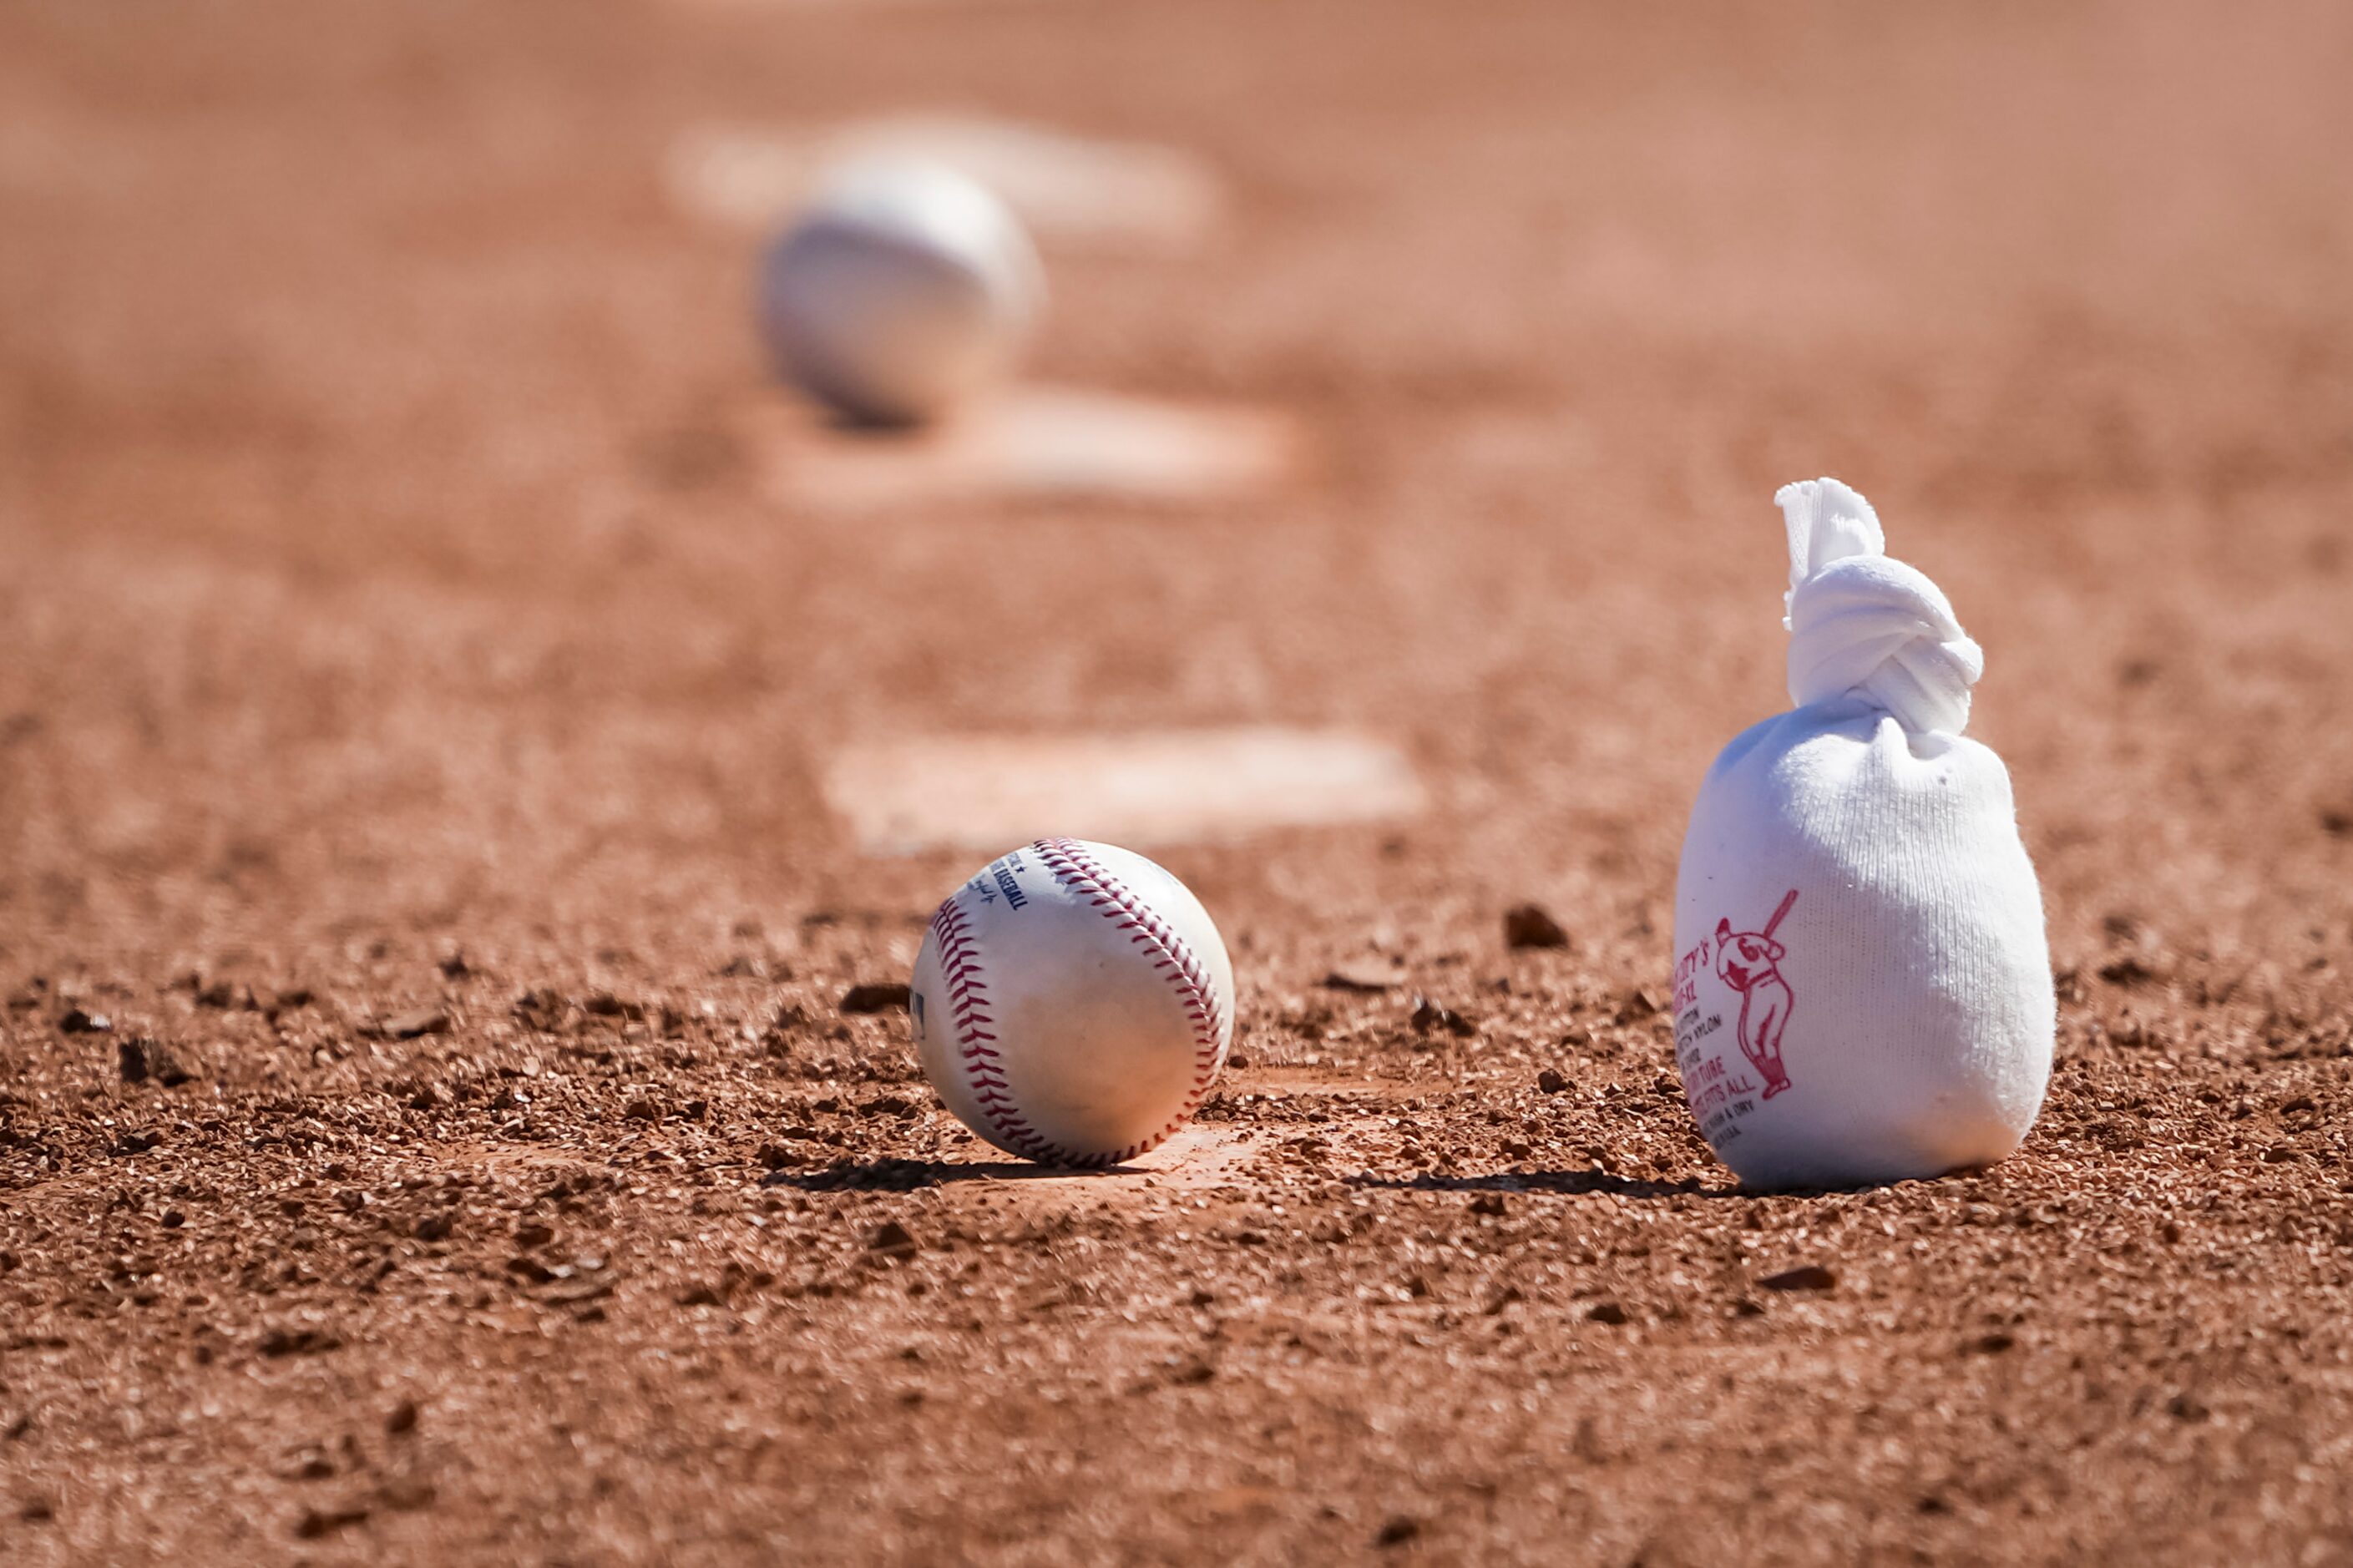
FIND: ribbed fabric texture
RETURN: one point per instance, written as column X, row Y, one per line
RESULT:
column 1862, row 982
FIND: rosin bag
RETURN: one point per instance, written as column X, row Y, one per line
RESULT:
column 1863, row 985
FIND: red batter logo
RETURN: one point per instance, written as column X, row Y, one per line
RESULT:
column 1750, row 963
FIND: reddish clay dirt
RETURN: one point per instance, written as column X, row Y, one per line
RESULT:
column 412, row 700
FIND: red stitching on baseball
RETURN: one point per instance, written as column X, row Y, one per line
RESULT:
column 969, row 1005
column 1070, row 864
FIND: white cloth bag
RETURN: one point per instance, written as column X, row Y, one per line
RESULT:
column 1863, row 986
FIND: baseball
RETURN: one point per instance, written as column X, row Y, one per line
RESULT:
column 901, row 289
column 1072, row 1003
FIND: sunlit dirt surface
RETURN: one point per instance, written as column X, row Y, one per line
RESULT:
column 430, row 1129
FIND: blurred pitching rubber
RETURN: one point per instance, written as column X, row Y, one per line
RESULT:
column 1081, row 192
column 1036, row 443
column 1162, row 786
column 1073, row 1004
column 899, row 291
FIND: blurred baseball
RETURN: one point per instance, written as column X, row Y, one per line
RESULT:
column 1072, row 1003
column 899, row 292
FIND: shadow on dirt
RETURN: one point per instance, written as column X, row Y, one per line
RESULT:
column 1567, row 1183
column 908, row 1175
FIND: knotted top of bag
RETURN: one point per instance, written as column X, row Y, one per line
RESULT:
column 1861, row 624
